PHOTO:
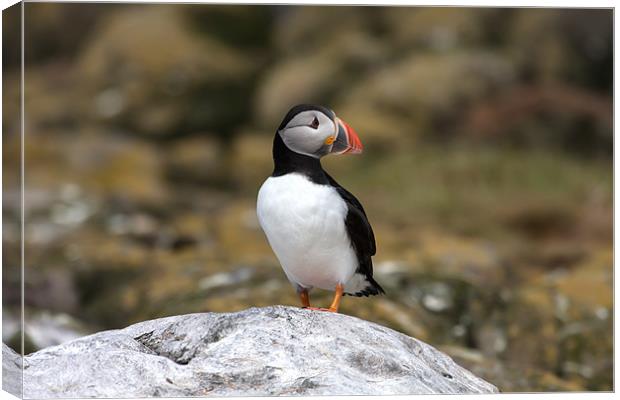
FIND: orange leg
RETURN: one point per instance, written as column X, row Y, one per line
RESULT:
column 305, row 298
column 337, row 297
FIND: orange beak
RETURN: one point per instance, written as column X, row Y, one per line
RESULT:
column 347, row 140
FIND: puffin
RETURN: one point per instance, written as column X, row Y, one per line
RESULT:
column 317, row 229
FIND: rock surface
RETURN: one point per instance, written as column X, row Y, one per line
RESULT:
column 260, row 351
column 11, row 371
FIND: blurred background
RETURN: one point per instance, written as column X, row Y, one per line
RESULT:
column 487, row 171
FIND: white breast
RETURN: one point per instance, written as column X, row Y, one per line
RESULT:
column 304, row 223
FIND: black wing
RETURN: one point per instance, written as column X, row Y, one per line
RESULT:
column 362, row 238
column 360, row 232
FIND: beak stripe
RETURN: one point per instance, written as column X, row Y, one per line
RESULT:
column 347, row 140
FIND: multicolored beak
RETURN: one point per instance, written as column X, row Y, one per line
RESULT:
column 347, row 140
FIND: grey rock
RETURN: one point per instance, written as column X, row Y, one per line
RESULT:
column 11, row 371
column 260, row 351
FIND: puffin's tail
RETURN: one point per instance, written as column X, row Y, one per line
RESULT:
column 362, row 285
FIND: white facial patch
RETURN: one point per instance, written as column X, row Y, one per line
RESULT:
column 302, row 137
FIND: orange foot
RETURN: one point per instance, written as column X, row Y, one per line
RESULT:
column 305, row 300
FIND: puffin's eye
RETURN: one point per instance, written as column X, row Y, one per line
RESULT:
column 315, row 123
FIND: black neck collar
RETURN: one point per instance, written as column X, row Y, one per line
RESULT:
column 287, row 161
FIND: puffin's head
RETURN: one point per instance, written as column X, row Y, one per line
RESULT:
column 315, row 131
